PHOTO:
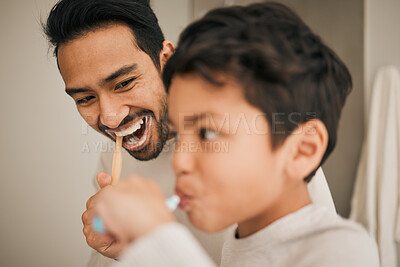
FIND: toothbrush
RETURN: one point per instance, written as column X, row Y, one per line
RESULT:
column 117, row 160
column 115, row 175
column 98, row 225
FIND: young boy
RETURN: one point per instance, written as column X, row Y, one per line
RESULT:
column 255, row 99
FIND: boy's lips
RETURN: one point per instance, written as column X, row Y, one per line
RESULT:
column 186, row 200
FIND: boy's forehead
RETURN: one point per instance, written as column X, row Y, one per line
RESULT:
column 191, row 95
column 195, row 87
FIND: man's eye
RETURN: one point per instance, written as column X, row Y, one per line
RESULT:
column 85, row 100
column 206, row 134
column 124, row 84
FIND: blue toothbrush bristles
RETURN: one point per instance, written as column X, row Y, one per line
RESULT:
column 98, row 225
column 172, row 202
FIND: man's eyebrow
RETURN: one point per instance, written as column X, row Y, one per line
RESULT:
column 122, row 71
column 72, row 91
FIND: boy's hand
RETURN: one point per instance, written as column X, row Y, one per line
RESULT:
column 132, row 208
column 104, row 244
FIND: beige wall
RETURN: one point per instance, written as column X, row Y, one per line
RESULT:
column 46, row 170
column 382, row 37
column 382, row 44
column 45, row 177
column 173, row 16
column 340, row 24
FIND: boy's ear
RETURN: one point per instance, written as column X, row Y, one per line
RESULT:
column 166, row 52
column 308, row 144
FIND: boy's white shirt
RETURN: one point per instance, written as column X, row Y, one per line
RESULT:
column 160, row 171
column 310, row 236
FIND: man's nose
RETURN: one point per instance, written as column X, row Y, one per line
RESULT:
column 112, row 112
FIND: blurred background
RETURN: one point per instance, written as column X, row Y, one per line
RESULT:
column 49, row 156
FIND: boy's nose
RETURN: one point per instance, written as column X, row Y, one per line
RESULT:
column 112, row 113
column 182, row 159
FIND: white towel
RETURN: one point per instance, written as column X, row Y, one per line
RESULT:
column 376, row 196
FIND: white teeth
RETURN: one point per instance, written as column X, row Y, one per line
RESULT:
column 131, row 141
column 131, row 129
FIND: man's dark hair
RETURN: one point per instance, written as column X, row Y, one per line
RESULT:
column 72, row 19
column 283, row 67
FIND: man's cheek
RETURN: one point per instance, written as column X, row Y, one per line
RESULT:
column 91, row 120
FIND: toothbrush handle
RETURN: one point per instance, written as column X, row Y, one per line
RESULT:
column 117, row 160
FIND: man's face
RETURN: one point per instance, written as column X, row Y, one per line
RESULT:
column 116, row 88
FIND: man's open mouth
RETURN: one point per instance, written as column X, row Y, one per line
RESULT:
column 135, row 134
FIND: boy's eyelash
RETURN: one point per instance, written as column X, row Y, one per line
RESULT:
column 201, row 132
column 204, row 131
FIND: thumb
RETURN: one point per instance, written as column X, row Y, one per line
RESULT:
column 103, row 179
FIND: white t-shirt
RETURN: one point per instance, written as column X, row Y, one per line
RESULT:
column 309, row 237
column 160, row 171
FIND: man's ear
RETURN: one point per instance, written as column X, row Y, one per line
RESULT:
column 166, row 52
column 308, row 144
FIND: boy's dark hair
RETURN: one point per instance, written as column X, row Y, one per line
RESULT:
column 72, row 19
column 282, row 65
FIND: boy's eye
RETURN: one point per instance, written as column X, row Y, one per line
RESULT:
column 85, row 100
column 124, row 84
column 206, row 134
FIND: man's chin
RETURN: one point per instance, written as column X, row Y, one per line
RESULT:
column 148, row 152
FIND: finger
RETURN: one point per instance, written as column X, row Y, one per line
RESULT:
column 115, row 249
column 111, row 226
column 95, row 240
column 87, row 217
column 103, row 179
column 89, row 202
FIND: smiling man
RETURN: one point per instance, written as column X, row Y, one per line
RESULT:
column 116, row 86
column 110, row 54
